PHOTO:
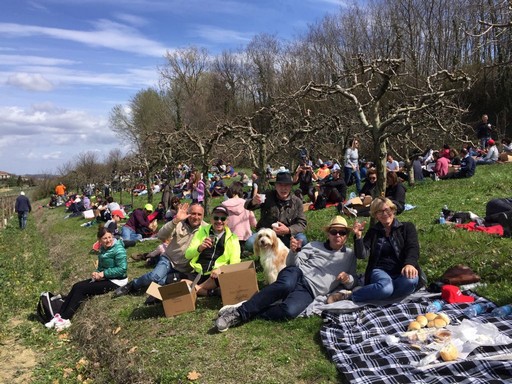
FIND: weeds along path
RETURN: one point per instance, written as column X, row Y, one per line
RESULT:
column 40, row 258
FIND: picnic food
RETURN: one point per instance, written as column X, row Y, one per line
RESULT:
column 414, row 326
column 431, row 316
column 449, row 352
column 422, row 320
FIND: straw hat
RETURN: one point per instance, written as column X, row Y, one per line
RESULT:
column 337, row 221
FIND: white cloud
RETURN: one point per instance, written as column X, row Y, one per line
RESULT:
column 30, row 82
column 106, row 34
column 33, row 60
column 221, row 35
column 132, row 19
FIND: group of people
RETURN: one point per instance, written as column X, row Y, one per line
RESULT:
column 191, row 247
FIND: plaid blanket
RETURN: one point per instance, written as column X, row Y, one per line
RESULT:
column 359, row 344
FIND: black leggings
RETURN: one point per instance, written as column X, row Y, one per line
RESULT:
column 80, row 292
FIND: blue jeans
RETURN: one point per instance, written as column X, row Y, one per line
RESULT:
column 157, row 275
column 249, row 243
column 22, row 219
column 290, row 287
column 348, row 172
column 484, row 162
column 129, row 234
column 383, row 286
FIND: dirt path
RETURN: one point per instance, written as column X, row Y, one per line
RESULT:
column 16, row 361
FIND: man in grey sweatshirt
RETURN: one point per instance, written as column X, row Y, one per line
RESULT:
column 316, row 269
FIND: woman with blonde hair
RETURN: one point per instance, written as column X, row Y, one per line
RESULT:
column 392, row 249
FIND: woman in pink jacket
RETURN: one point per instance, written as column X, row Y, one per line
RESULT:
column 240, row 220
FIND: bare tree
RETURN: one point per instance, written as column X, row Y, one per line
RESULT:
column 140, row 126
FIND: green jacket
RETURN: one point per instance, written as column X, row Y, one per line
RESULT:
column 231, row 253
column 112, row 261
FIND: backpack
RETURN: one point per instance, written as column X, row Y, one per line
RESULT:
column 48, row 305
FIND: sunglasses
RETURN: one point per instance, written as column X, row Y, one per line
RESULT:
column 340, row 232
column 221, row 218
column 386, row 211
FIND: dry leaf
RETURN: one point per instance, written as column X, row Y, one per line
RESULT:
column 116, row 331
column 132, row 349
column 80, row 378
column 67, row 372
column 82, row 363
column 56, row 381
column 63, row 336
column 193, row 375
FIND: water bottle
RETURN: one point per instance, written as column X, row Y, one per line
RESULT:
column 435, row 306
column 504, row 311
column 476, row 309
column 442, row 220
column 352, row 195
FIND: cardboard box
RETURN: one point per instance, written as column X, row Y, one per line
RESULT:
column 176, row 298
column 238, row 282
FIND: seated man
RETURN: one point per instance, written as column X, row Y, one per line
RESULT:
column 492, row 154
column 334, row 188
column 304, row 176
column 217, row 187
column 180, row 230
column 280, row 210
column 213, row 246
column 317, row 269
column 467, row 166
column 137, row 224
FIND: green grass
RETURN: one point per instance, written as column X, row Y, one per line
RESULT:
column 53, row 253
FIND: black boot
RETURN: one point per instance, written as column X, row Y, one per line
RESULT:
column 124, row 290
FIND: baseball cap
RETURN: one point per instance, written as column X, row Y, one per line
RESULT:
column 220, row 209
column 119, row 213
column 148, row 207
column 452, row 294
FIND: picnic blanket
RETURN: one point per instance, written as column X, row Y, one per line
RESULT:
column 364, row 346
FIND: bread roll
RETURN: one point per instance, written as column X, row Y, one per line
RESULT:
column 449, row 352
column 444, row 316
column 430, row 324
column 431, row 316
column 439, row 322
column 422, row 320
column 414, row 326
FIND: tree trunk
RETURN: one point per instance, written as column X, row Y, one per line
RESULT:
column 381, row 148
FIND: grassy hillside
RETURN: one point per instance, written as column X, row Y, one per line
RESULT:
column 125, row 342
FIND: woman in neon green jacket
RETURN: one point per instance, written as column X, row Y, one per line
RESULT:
column 212, row 246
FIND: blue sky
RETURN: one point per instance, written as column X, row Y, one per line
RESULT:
column 65, row 63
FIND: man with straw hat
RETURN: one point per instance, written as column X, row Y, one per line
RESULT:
column 306, row 276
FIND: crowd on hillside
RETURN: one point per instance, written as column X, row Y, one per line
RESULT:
column 194, row 244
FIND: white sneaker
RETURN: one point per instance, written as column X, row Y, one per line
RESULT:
column 226, row 308
column 51, row 323
column 62, row 324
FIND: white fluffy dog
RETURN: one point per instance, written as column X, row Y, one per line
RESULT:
column 272, row 253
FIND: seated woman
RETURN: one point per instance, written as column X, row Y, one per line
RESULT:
column 240, row 220
column 110, row 274
column 392, row 250
column 395, row 191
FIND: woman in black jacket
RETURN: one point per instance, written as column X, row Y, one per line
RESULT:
column 395, row 191
column 392, row 250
